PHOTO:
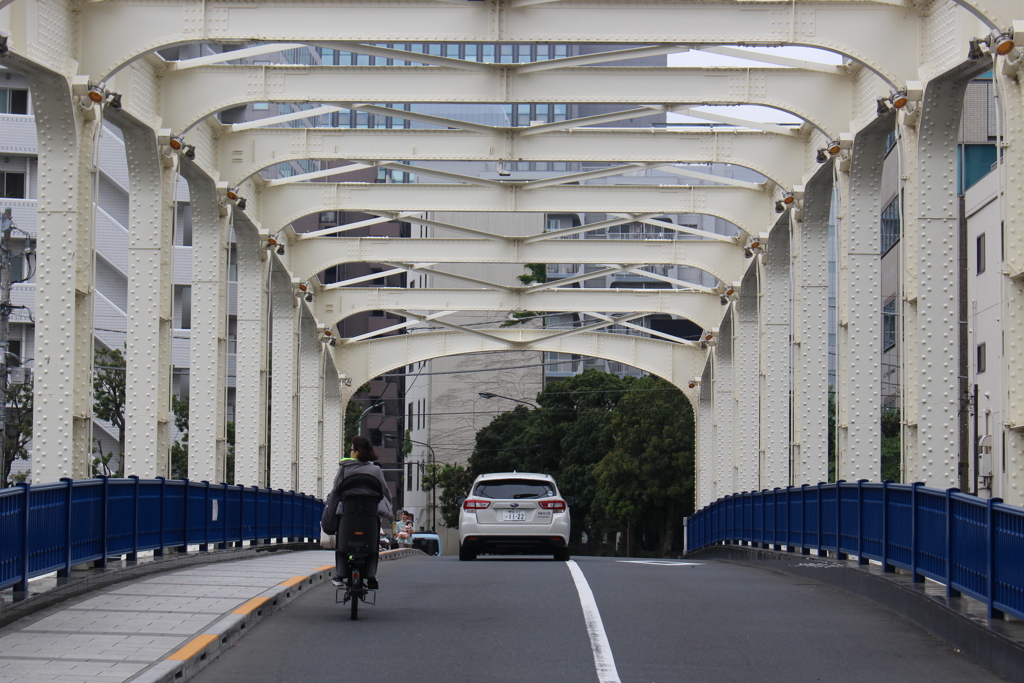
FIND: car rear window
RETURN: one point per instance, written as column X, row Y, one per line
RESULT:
column 514, row 488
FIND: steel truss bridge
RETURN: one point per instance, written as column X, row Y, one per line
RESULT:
column 906, row 64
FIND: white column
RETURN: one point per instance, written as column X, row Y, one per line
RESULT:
column 859, row 308
column 746, row 371
column 705, row 442
column 62, row 420
column 252, row 356
column 283, row 395
column 332, row 426
column 310, row 393
column 775, row 359
column 1010, row 486
column 725, row 466
column 207, row 424
column 150, row 287
column 810, row 332
column 935, row 350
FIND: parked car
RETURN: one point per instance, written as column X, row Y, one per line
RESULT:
column 514, row 513
column 427, row 542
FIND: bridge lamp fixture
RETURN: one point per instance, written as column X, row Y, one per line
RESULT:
column 779, row 207
column 882, row 107
column 276, row 246
column 899, row 98
column 96, row 93
column 975, row 51
column 788, row 198
column 821, row 157
column 692, row 384
column 747, row 253
column 1000, row 43
column 306, row 294
column 834, row 148
column 176, row 143
column 239, row 201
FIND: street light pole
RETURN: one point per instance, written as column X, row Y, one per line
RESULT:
column 433, row 488
column 487, row 394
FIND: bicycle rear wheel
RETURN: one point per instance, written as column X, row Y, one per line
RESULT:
column 357, row 590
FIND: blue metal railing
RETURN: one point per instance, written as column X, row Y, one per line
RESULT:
column 52, row 527
column 974, row 546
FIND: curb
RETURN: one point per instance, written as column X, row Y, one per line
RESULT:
column 202, row 649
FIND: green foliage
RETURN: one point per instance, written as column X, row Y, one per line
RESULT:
column 101, row 463
column 229, row 456
column 353, row 409
column 453, row 481
column 891, row 460
column 622, row 447
column 538, row 274
column 179, row 449
column 831, row 434
column 108, row 390
column 19, row 431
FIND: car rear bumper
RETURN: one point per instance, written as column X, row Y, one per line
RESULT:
column 513, row 544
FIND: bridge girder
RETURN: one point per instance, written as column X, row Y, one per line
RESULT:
column 748, row 209
column 333, row 305
column 191, row 95
column 778, row 157
column 307, row 257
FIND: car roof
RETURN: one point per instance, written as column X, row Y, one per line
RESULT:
column 514, row 475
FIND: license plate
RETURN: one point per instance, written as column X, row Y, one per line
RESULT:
column 513, row 515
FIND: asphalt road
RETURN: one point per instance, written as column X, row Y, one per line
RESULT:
column 520, row 619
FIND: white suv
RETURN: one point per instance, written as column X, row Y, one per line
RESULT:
column 514, row 512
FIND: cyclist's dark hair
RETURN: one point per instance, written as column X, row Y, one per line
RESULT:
column 363, row 448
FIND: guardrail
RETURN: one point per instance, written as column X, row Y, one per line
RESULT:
column 53, row 527
column 974, row 546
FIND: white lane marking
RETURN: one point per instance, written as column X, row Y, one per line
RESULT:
column 604, row 662
column 663, row 563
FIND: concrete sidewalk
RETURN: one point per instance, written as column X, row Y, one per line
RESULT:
column 160, row 628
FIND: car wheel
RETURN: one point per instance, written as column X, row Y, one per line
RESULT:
column 562, row 555
column 465, row 554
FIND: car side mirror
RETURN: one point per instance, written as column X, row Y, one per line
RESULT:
column 460, row 500
column 569, row 500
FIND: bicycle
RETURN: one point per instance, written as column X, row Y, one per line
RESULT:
column 356, row 556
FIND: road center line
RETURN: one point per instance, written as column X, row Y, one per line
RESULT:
column 604, row 662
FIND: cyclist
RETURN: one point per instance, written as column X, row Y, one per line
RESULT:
column 358, row 486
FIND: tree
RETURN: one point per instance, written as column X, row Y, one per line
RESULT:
column 891, row 460
column 179, row 449
column 19, row 429
column 108, row 391
column 454, row 481
column 353, row 409
column 648, row 477
column 538, row 274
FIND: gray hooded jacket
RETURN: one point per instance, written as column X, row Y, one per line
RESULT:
column 347, row 468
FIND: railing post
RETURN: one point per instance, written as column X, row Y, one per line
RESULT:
column 860, row 522
column 281, row 538
column 102, row 562
column 821, row 528
column 133, row 556
column 915, row 577
column 255, row 515
column 950, row 591
column 159, row 552
column 207, row 512
column 804, row 550
column 840, row 555
column 22, row 585
column 224, row 513
column 65, row 571
column 990, row 557
column 886, row 567
column 184, row 530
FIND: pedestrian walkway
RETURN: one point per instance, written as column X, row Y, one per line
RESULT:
column 156, row 628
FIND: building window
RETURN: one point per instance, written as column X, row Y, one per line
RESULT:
column 982, row 358
column 408, row 477
column 889, row 325
column 13, row 101
column 376, row 438
column 980, row 254
column 12, row 184
column 891, row 224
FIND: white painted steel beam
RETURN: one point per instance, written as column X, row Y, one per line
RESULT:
column 810, row 332
column 779, row 157
column 706, row 491
column 748, row 209
column 308, row 257
column 702, row 308
column 673, row 362
column 284, row 383
column 746, row 385
column 192, row 95
column 62, row 418
column 724, row 408
column 775, row 354
column 310, row 405
column 148, row 351
column 208, row 357
column 252, row 358
column 868, row 32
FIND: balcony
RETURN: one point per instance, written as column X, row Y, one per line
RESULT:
column 19, row 134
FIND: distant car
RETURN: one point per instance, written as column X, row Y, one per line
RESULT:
column 427, row 542
column 512, row 513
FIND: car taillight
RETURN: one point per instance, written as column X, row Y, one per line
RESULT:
column 556, row 505
column 472, row 504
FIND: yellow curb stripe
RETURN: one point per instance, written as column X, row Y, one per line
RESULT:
column 294, row 581
column 324, row 568
column 250, row 605
column 193, row 648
